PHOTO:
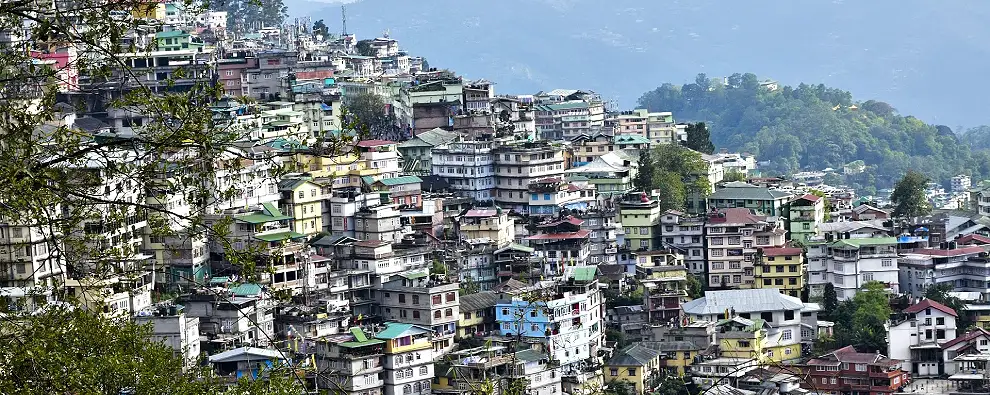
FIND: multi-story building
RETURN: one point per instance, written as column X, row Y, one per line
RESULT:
column 604, row 226
column 611, row 173
column 685, row 233
column 804, row 214
column 780, row 312
column 232, row 318
column 664, row 278
column 302, row 199
column 850, row 263
column 658, row 127
column 561, row 244
column 267, row 81
column 742, row 195
column 408, row 362
column 28, row 259
column 403, row 191
column 780, row 268
column 639, row 214
column 417, row 152
column 424, row 299
column 170, row 325
column 518, row 165
column 733, row 237
column 570, row 114
column 963, row 267
column 382, row 223
column 637, row 365
column 477, row 314
column 587, row 148
column 566, row 321
column 468, row 166
column 847, row 371
column 916, row 335
column 381, row 155
column 351, row 362
column 961, row 183
column 492, row 224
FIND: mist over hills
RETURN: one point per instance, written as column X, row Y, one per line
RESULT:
column 926, row 58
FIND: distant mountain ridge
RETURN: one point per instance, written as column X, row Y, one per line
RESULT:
column 928, row 57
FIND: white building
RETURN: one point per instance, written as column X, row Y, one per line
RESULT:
column 408, row 359
column 468, row 166
column 851, row 263
column 917, row 336
column 961, row 267
column 687, row 234
column 171, row 327
column 961, row 183
column 517, row 166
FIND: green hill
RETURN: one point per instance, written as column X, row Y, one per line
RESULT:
column 815, row 127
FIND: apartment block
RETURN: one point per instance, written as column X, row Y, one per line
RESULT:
column 468, row 166
column 424, row 299
column 733, row 237
column 518, row 165
column 685, row 233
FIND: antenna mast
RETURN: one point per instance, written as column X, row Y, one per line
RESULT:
column 343, row 20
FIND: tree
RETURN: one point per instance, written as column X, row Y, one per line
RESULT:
column 829, row 301
column 364, row 48
column 872, row 312
column 734, row 175
column 248, row 15
column 673, row 192
column 940, row 293
column 646, row 173
column 620, row 387
column 699, row 138
column 616, row 336
column 321, row 29
column 680, row 172
column 694, row 287
column 373, row 117
column 909, row 196
column 828, row 203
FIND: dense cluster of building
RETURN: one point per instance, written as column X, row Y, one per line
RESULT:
column 478, row 238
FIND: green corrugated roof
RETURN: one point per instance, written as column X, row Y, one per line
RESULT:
column 286, row 235
column 359, row 334
column 401, row 180
column 171, row 34
column 567, row 105
column 530, row 355
column 368, row 180
column 631, row 139
column 219, row 280
column 585, row 273
column 414, row 275
column 246, row 290
column 871, row 241
column 748, row 193
column 368, row 342
column 259, row 218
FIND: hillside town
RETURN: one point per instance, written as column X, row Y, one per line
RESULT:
column 478, row 238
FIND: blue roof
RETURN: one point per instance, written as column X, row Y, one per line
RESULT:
column 396, row 330
column 325, row 107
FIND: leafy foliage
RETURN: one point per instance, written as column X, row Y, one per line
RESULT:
column 695, row 288
column 320, row 28
column 699, row 138
column 909, row 196
column 245, row 16
column 814, row 127
column 733, row 175
column 872, row 312
column 373, row 117
column 830, row 301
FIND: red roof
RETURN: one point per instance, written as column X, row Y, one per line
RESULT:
column 569, row 220
column 966, row 337
column 374, row 143
column 809, row 197
column 973, row 239
column 481, row 213
column 581, row 234
column 737, row 215
column 924, row 304
column 782, row 251
column 955, row 252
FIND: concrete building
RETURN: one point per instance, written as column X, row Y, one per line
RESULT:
column 963, row 267
column 417, row 152
column 605, row 230
column 302, row 199
column 733, row 237
column 354, row 359
column 780, row 312
column 468, row 166
column 639, row 214
column 380, row 223
column 423, row 299
column 850, row 263
column 611, row 173
column 804, row 214
column 961, row 183
column 408, row 362
column 686, row 233
column 781, row 268
column 742, row 195
column 917, row 334
column 578, row 114
column 170, row 326
column 846, row 371
column 518, row 165
column 560, row 244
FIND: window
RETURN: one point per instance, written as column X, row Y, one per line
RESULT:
column 831, row 380
column 613, row 372
column 415, row 299
column 229, row 73
column 744, row 343
column 928, row 321
column 437, row 314
column 631, row 371
column 449, row 312
column 451, row 296
column 940, row 321
column 402, row 298
column 887, row 262
column 437, row 299
column 787, row 334
column 423, row 370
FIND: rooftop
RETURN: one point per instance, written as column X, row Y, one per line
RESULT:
column 634, row 355
column 928, row 303
column 743, row 301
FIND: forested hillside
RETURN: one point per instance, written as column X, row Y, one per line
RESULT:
column 815, row 127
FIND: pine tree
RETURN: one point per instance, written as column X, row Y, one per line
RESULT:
column 909, row 196
column 699, row 138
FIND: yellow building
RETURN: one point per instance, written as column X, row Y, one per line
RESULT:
column 741, row 337
column 637, row 365
column 676, row 356
column 301, row 198
column 149, row 10
column 780, row 268
column 477, row 314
